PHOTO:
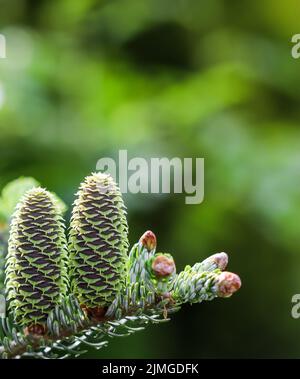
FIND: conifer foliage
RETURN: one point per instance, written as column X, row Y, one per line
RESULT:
column 61, row 297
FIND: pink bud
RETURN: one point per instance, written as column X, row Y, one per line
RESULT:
column 148, row 240
column 163, row 266
column 221, row 260
column 228, row 283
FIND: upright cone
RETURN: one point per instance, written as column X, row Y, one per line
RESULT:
column 98, row 243
column 36, row 272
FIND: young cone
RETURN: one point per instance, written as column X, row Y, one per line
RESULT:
column 98, row 244
column 36, row 276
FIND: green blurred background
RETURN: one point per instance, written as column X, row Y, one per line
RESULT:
column 174, row 78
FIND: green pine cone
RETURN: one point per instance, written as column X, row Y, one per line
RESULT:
column 98, row 242
column 36, row 269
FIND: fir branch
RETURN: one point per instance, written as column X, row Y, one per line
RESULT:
column 69, row 327
column 119, row 294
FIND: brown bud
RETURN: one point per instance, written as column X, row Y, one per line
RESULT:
column 228, row 283
column 221, row 260
column 163, row 266
column 35, row 329
column 148, row 240
column 96, row 313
